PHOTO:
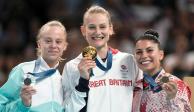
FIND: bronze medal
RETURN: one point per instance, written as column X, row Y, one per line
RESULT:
column 164, row 79
column 27, row 81
column 90, row 52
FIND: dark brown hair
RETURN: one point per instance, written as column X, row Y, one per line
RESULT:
column 150, row 35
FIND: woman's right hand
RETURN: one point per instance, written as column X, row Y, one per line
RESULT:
column 85, row 66
column 26, row 95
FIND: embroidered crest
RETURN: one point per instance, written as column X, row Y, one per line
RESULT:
column 124, row 68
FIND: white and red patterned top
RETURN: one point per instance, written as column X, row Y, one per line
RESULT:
column 156, row 101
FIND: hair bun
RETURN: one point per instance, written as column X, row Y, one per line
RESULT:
column 152, row 33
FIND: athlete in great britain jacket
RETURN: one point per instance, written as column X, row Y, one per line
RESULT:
column 105, row 91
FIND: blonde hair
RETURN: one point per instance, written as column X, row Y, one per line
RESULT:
column 50, row 24
column 95, row 9
column 45, row 27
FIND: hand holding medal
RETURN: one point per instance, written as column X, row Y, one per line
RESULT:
column 169, row 86
column 86, row 64
column 27, row 90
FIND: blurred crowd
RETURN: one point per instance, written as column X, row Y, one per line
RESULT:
column 172, row 19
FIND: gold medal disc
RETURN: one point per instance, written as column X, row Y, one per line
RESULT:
column 90, row 52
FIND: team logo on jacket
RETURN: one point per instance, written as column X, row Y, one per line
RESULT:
column 124, row 68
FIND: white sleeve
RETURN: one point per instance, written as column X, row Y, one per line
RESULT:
column 76, row 102
column 73, row 99
column 138, row 86
column 138, row 74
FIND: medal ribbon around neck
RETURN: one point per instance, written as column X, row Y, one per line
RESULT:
column 153, row 85
column 41, row 75
column 109, row 62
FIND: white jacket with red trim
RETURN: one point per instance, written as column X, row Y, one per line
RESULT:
column 110, row 91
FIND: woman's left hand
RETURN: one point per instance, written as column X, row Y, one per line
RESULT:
column 171, row 89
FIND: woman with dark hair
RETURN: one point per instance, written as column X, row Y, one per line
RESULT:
column 162, row 92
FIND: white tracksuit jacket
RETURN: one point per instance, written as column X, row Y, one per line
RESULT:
column 49, row 92
column 110, row 91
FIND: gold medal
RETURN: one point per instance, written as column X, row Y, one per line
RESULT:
column 90, row 52
column 164, row 79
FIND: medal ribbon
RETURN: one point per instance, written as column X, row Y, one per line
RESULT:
column 153, row 85
column 41, row 75
column 108, row 66
column 109, row 62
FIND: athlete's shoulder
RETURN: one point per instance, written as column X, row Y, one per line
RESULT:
column 180, row 82
column 72, row 64
column 22, row 68
column 27, row 63
column 24, row 64
column 120, row 53
column 75, row 60
column 183, row 87
column 114, row 51
column 71, row 69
